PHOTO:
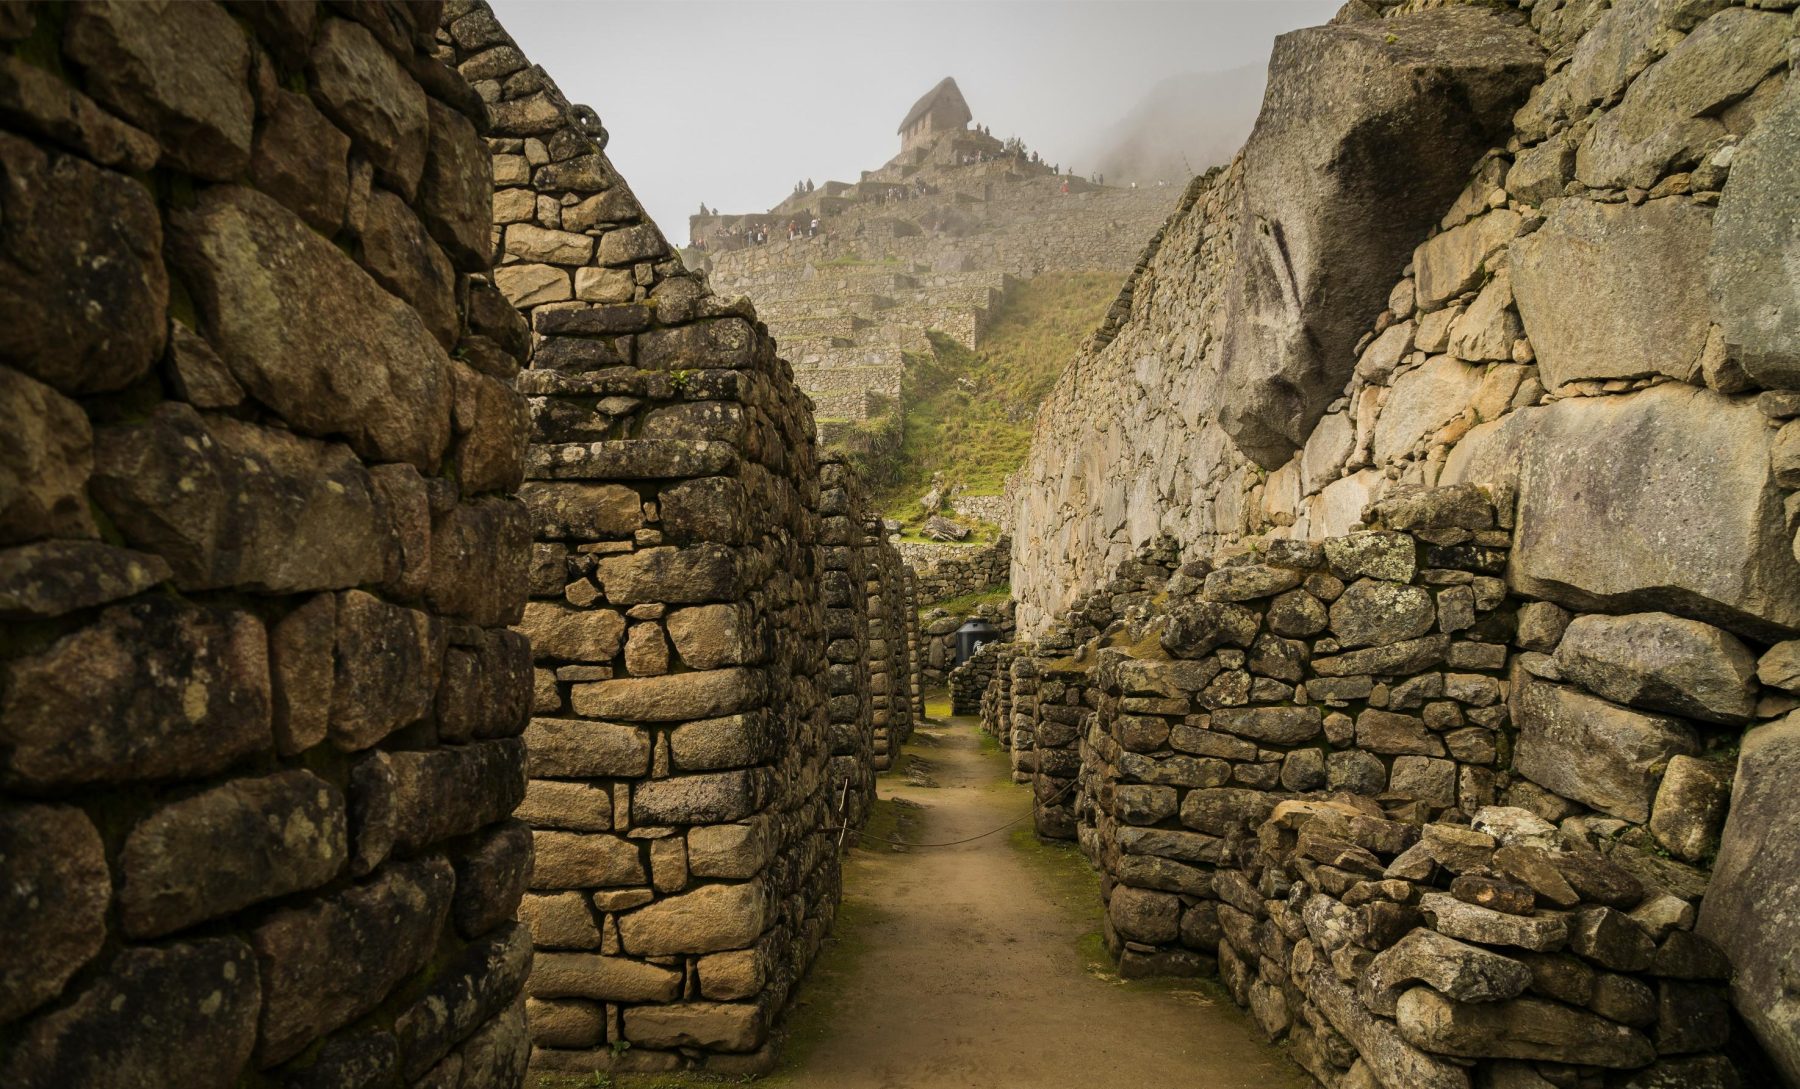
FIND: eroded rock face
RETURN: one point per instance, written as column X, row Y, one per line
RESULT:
column 1753, row 265
column 1629, row 502
column 1367, row 130
column 1749, row 907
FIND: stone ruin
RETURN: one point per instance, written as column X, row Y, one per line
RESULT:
column 1426, row 829
column 927, row 243
column 260, row 706
column 415, row 548
column 435, row 648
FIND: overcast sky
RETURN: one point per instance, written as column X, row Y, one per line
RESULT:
column 732, row 102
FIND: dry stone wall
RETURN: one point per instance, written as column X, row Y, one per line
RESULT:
column 947, row 571
column 710, row 615
column 259, row 548
column 1429, row 830
column 1593, row 307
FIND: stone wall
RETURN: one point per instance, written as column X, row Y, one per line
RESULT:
column 680, row 750
column 936, row 643
column 891, row 660
column 1589, row 304
column 843, row 503
column 954, row 570
column 259, row 706
column 1414, row 819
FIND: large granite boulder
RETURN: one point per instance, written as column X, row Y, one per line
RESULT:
column 1613, row 290
column 1367, row 133
column 1662, row 500
column 1753, row 267
column 1661, row 663
column 1752, row 907
column 1603, row 755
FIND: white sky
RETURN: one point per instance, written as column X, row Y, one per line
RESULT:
column 732, row 102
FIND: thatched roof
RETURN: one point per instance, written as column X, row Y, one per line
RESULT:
column 946, row 95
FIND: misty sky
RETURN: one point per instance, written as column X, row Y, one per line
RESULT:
column 732, row 102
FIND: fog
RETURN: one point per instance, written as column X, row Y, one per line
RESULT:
column 731, row 103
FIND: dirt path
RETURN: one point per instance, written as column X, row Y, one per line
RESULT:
column 979, row 965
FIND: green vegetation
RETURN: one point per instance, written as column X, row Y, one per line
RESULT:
column 968, row 414
column 968, row 603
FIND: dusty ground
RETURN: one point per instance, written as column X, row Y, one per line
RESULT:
column 979, row 965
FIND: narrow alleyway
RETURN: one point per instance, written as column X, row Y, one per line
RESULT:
column 980, row 965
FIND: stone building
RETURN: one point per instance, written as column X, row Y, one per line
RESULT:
column 938, row 111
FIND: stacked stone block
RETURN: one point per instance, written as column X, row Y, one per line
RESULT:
column 915, row 680
column 1065, row 706
column 680, row 750
column 1283, row 791
column 958, row 570
column 844, row 506
column 996, row 697
column 969, row 682
column 890, row 649
column 937, row 653
column 259, row 548
column 1019, row 735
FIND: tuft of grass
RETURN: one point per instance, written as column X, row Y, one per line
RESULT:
column 968, row 603
column 968, row 413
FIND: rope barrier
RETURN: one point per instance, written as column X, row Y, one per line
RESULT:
column 955, row 842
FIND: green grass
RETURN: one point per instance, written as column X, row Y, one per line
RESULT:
column 969, row 413
column 968, row 603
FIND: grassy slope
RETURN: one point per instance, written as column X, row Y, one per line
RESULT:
column 969, row 413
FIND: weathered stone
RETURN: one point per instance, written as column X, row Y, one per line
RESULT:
column 155, row 689
column 1375, row 612
column 480, row 562
column 237, row 844
column 1378, row 1044
column 1541, row 626
column 1490, row 892
column 1425, row 778
column 329, row 962
column 1663, row 122
column 1423, row 400
column 1615, row 291
column 1198, row 627
column 1748, row 266
column 672, row 698
column 569, row 860
column 480, row 982
column 453, row 790
column 1461, row 972
column 403, row 258
column 1748, row 906
column 1614, row 514
column 302, row 160
column 308, row 333
column 183, row 1014
column 1222, row 811
column 1295, row 312
column 486, row 688
column 1593, row 751
column 727, row 850
column 1661, row 663
column 1392, row 734
column 582, row 512
column 1395, row 659
column 179, row 70
column 604, row 978
column 78, row 241
column 1780, row 667
column 720, row 1026
column 732, row 742
column 1376, row 555
column 366, row 90
column 53, row 903
column 668, row 575
column 1453, row 918
column 575, row 807
column 711, row 636
column 577, row 635
column 388, row 663
column 1522, row 1028
column 1690, row 807
column 491, row 877
column 231, row 504
column 1271, row 725
column 1610, row 939
column 573, row 748
column 694, row 799
column 37, row 101
column 46, row 454
column 1249, row 581
column 705, row 920
column 457, row 188
column 51, row 578
column 1457, row 260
